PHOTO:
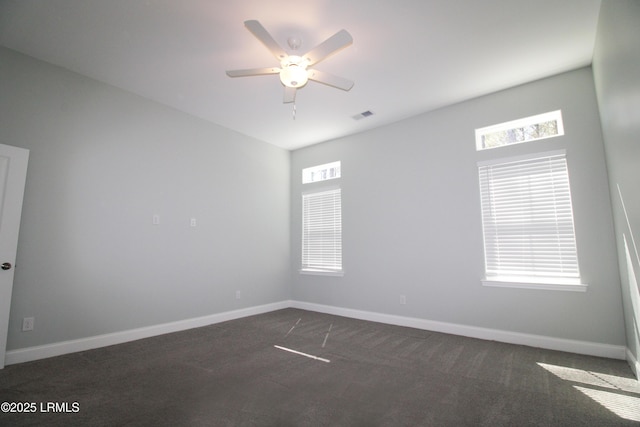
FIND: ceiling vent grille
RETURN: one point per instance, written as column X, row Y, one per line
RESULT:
column 363, row 115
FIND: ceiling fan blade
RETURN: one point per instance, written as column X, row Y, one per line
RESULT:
column 329, row 79
column 253, row 72
column 289, row 94
column 263, row 35
column 336, row 42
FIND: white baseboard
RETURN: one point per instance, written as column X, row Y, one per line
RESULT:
column 57, row 349
column 83, row 344
column 551, row 343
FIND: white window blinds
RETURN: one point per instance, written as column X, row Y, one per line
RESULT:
column 322, row 231
column 528, row 220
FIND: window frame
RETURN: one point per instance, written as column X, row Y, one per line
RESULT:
column 325, row 172
column 518, row 124
column 534, row 280
column 305, row 266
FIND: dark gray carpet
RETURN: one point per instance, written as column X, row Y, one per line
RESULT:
column 230, row 374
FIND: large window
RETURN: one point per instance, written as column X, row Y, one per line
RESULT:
column 527, row 221
column 322, row 232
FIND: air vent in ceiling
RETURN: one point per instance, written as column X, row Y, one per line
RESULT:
column 362, row 115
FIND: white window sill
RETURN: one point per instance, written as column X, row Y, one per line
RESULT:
column 322, row 273
column 571, row 285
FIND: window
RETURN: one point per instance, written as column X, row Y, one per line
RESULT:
column 321, row 173
column 527, row 220
column 532, row 128
column 322, row 232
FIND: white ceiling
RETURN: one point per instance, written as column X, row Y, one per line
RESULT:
column 408, row 56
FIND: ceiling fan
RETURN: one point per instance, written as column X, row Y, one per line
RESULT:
column 293, row 70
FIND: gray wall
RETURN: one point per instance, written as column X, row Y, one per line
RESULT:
column 411, row 218
column 102, row 163
column 616, row 68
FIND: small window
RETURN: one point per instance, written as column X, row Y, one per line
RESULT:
column 527, row 221
column 532, row 128
column 321, row 172
column 322, row 232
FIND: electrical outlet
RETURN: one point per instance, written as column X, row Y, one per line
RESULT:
column 238, row 294
column 403, row 299
column 28, row 323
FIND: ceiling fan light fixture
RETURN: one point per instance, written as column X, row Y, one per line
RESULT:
column 294, row 72
column 294, row 76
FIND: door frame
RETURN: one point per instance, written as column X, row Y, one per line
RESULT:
column 10, row 214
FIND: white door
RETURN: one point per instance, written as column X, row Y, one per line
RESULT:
column 13, row 172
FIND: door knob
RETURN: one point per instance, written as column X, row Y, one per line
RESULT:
column 6, row 266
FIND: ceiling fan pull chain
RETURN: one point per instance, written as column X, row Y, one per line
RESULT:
column 294, row 110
